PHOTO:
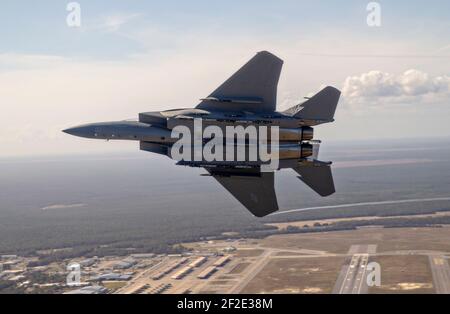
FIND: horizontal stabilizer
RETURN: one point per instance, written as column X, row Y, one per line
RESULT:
column 321, row 107
column 319, row 178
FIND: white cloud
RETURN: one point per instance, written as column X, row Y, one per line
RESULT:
column 412, row 86
column 443, row 49
column 115, row 21
column 112, row 22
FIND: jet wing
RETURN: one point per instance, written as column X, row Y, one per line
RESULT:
column 252, row 88
column 254, row 190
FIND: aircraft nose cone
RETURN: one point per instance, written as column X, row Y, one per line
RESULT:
column 82, row 131
column 70, row 131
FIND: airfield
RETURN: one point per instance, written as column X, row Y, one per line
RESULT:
column 412, row 260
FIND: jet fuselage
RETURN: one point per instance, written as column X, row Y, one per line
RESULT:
column 235, row 123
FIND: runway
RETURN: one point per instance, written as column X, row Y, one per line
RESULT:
column 441, row 274
column 352, row 278
column 393, row 202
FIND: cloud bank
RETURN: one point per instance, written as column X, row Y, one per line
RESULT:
column 411, row 86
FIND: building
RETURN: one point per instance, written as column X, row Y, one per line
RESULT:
column 89, row 290
column 88, row 262
column 199, row 261
column 125, row 264
column 207, row 272
column 8, row 265
column 229, row 249
column 8, row 257
column 143, row 255
column 17, row 278
column 161, row 288
column 111, row 277
column 12, row 273
column 222, row 261
column 169, row 268
column 182, row 272
column 158, row 276
column 45, row 285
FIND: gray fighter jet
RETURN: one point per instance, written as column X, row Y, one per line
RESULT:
column 247, row 98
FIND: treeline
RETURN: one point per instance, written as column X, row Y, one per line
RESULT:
column 385, row 222
column 148, row 245
column 117, row 234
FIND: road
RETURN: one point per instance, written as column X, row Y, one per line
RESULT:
column 441, row 274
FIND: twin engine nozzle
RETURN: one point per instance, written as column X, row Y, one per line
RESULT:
column 304, row 133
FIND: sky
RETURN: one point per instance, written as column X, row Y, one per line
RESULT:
column 128, row 57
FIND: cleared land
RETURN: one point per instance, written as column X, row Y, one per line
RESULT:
column 311, row 275
column 387, row 239
column 239, row 268
column 310, row 223
column 248, row 253
column 404, row 274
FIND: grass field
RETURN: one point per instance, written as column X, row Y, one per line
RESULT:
column 311, row 275
column 248, row 253
column 404, row 274
column 114, row 285
column 239, row 268
column 387, row 239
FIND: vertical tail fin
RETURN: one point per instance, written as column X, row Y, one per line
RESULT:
column 321, row 107
column 252, row 88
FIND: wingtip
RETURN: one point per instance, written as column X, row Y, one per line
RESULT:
column 269, row 54
column 332, row 88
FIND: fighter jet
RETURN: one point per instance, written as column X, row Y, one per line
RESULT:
column 248, row 99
